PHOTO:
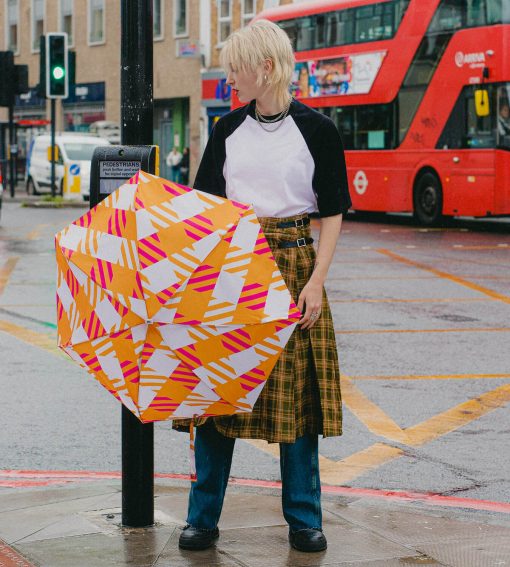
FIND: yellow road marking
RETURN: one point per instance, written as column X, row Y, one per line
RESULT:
column 445, row 275
column 34, row 234
column 434, row 377
column 455, row 330
column 370, row 414
column 420, row 300
column 6, row 271
column 41, row 340
column 341, row 472
column 458, row 416
column 353, row 466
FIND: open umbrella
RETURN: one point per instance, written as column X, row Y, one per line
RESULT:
column 172, row 300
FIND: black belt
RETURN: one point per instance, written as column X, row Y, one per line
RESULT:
column 295, row 243
column 294, row 223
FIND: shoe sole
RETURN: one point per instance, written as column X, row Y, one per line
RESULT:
column 310, row 549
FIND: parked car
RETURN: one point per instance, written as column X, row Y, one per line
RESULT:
column 72, row 167
column 106, row 129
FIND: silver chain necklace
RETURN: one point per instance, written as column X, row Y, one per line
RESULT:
column 281, row 118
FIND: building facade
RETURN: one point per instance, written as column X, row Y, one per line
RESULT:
column 93, row 27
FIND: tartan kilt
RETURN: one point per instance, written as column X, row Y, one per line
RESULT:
column 302, row 394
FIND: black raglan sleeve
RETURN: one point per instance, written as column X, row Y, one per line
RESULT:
column 209, row 176
column 330, row 176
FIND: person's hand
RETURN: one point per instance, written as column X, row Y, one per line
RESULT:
column 309, row 304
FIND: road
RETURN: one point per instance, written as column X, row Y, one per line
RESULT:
column 422, row 320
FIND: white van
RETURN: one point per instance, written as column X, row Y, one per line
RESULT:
column 72, row 170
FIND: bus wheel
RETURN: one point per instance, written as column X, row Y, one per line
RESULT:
column 428, row 199
column 31, row 190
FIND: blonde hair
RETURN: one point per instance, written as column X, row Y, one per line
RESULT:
column 248, row 48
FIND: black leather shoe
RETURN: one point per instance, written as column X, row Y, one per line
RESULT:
column 197, row 538
column 310, row 539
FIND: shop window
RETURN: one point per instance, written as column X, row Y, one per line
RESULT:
column 12, row 25
column 66, row 20
column 180, row 18
column 96, row 21
column 157, row 19
column 248, row 10
column 37, row 23
column 224, row 20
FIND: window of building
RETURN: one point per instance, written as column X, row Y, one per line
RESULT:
column 66, row 20
column 224, row 19
column 37, row 23
column 180, row 18
column 157, row 27
column 96, row 21
column 12, row 25
column 248, row 9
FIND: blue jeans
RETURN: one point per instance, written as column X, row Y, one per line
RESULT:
column 299, row 466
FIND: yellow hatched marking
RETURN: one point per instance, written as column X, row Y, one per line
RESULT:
column 458, row 416
column 35, row 233
column 420, row 300
column 375, row 419
column 445, row 275
column 32, row 338
column 357, row 464
column 340, row 472
column 6, row 271
column 454, row 330
column 434, row 377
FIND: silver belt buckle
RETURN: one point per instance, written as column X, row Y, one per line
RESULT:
column 301, row 242
column 299, row 223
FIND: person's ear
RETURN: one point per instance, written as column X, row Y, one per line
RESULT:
column 268, row 66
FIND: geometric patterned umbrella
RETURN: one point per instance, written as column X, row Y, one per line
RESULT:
column 172, row 300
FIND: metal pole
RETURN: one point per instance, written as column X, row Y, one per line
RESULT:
column 53, row 147
column 12, row 180
column 136, row 128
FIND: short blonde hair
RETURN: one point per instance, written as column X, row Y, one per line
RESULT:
column 248, row 48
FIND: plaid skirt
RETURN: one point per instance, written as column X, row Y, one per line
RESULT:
column 302, row 394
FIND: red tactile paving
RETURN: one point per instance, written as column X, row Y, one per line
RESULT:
column 11, row 558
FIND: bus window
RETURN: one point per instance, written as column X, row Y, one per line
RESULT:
column 373, row 127
column 448, row 16
column 494, row 15
column 476, row 13
column 305, row 34
column 320, row 31
column 290, row 28
column 503, row 130
column 340, row 28
column 368, row 24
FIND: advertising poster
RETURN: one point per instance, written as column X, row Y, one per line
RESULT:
column 351, row 74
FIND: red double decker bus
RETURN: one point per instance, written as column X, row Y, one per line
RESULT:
column 420, row 91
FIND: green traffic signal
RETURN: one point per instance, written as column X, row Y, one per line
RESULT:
column 58, row 73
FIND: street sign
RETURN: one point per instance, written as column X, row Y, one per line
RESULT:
column 57, row 75
column 114, row 165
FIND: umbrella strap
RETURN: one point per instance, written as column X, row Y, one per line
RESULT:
column 192, row 466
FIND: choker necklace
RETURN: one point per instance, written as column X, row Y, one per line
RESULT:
column 280, row 117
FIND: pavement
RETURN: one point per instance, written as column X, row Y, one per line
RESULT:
column 77, row 523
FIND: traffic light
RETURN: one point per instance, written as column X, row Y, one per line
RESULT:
column 57, row 79
column 7, row 74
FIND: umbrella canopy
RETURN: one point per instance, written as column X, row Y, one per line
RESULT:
column 172, row 300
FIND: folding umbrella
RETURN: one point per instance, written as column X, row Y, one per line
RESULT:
column 172, row 300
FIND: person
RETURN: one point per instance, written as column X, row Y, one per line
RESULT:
column 504, row 120
column 184, row 166
column 173, row 161
column 286, row 160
